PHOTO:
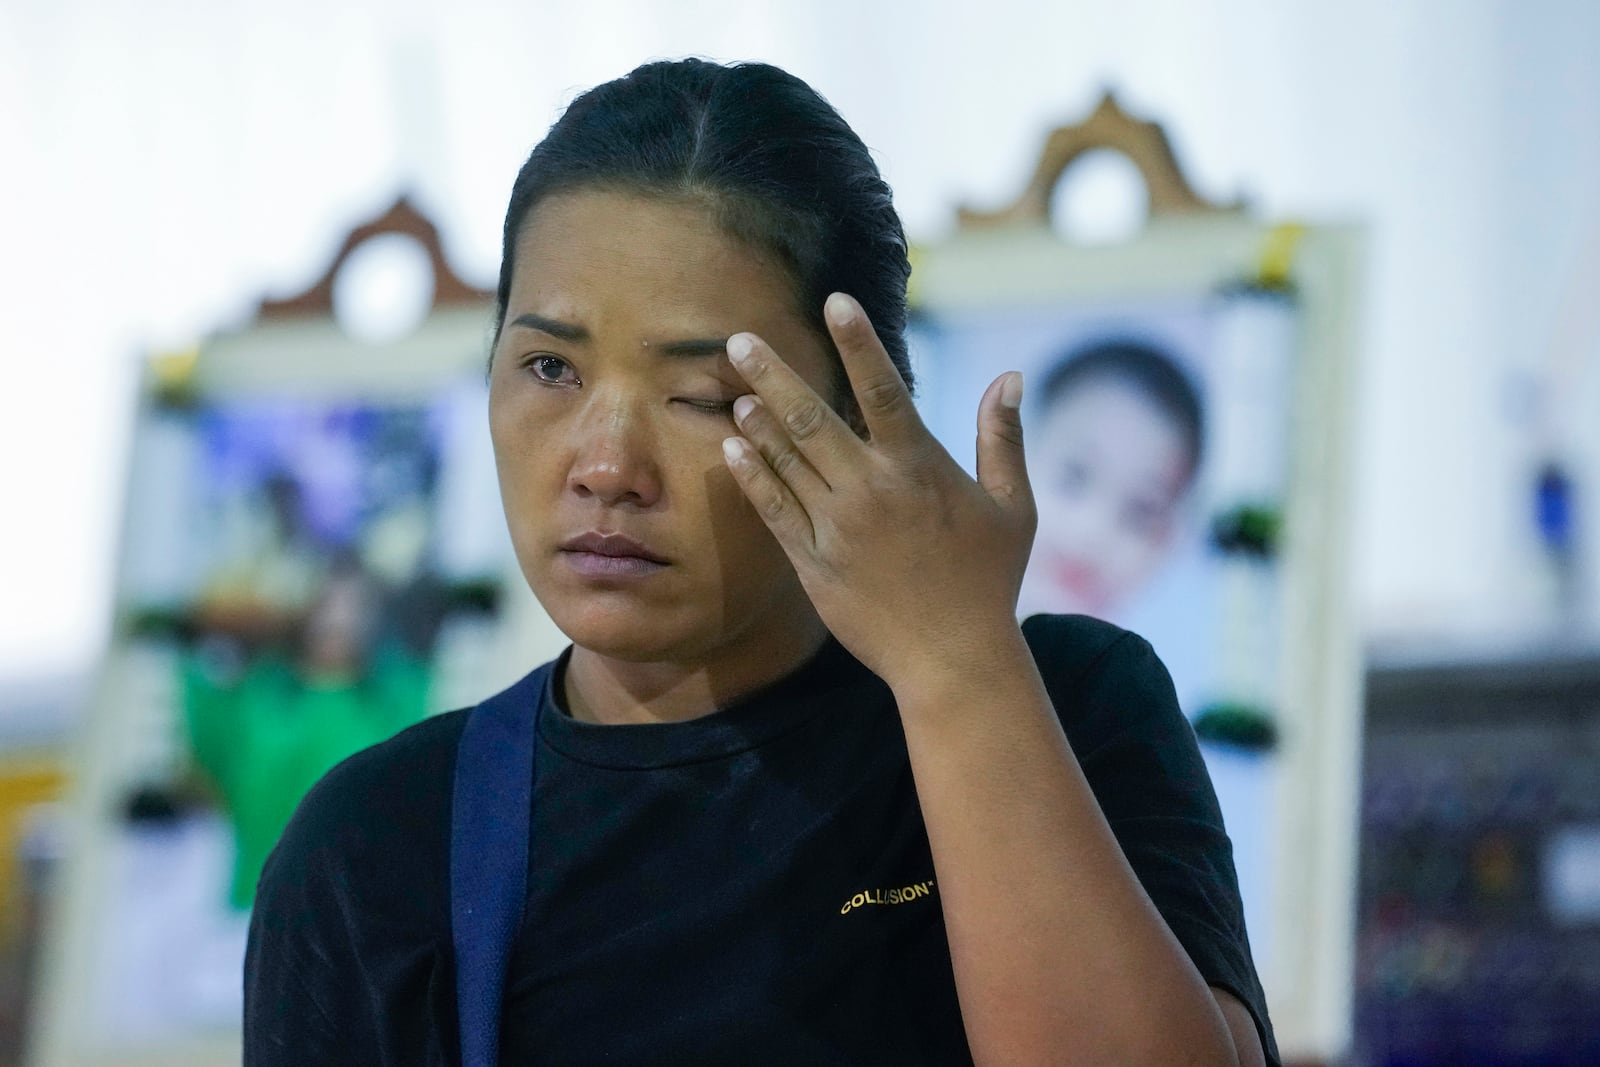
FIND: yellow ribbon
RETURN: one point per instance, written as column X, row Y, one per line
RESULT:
column 1275, row 269
column 173, row 372
column 915, row 254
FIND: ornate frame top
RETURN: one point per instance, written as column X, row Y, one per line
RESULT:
column 1142, row 142
column 402, row 218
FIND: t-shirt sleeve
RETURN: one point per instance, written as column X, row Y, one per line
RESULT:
column 1139, row 754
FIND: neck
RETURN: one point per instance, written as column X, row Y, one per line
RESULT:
column 610, row 691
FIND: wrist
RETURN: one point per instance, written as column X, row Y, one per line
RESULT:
column 977, row 661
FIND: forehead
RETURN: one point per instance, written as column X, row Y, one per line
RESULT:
column 1108, row 408
column 1119, row 427
column 627, row 260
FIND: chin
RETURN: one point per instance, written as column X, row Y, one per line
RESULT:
column 628, row 633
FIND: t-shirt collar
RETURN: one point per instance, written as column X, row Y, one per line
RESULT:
column 748, row 722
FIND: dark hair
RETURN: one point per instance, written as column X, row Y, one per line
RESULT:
column 773, row 161
column 1143, row 367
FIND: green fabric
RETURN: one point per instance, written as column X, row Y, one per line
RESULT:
column 267, row 736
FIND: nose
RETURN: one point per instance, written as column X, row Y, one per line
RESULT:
column 614, row 456
column 1086, row 524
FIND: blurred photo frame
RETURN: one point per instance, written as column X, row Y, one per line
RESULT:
column 1187, row 419
column 313, row 557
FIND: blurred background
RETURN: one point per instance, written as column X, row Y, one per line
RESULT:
column 168, row 166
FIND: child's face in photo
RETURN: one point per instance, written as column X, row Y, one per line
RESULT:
column 1110, row 469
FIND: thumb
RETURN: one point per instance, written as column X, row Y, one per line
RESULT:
column 1002, row 468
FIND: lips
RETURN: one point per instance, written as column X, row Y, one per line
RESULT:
column 596, row 555
column 614, row 545
column 1078, row 578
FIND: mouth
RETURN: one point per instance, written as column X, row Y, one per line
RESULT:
column 610, row 555
column 1078, row 578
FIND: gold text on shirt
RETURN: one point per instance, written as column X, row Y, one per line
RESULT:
column 903, row 895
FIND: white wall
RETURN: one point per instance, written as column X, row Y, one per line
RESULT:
column 163, row 163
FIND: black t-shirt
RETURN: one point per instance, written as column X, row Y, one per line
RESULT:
column 754, row 885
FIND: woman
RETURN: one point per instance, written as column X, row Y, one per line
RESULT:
column 805, row 792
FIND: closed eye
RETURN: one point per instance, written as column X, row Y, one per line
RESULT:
column 552, row 370
column 710, row 407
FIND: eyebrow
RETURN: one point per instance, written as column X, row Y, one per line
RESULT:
column 692, row 348
column 561, row 331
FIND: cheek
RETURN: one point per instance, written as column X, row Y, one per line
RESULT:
column 1074, row 514
column 744, row 547
column 501, row 432
column 1136, row 553
column 530, row 468
column 500, row 436
column 742, row 560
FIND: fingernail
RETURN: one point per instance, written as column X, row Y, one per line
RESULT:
column 733, row 448
column 740, row 346
column 743, row 406
column 1011, row 391
column 841, row 310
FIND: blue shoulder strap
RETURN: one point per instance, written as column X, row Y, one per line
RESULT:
column 489, row 825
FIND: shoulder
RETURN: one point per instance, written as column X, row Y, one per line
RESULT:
column 393, row 778
column 352, row 911
column 1067, row 646
column 382, row 814
column 1118, row 707
column 1102, row 679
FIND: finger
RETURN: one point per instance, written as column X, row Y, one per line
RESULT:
column 879, row 389
column 772, row 440
column 773, row 501
column 810, row 423
column 1002, row 465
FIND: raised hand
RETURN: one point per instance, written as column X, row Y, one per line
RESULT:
column 911, row 563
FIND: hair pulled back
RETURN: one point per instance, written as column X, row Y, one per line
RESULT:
column 772, row 160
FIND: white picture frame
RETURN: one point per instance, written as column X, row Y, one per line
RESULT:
column 142, row 958
column 1012, row 272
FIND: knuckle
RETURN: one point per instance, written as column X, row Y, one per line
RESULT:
column 753, row 369
column 782, row 462
column 803, row 419
column 882, row 392
column 1009, row 430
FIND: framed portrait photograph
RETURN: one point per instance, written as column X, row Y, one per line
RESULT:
column 1185, row 414
column 313, row 558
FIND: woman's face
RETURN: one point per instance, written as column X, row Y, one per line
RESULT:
column 610, row 395
column 1110, row 470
